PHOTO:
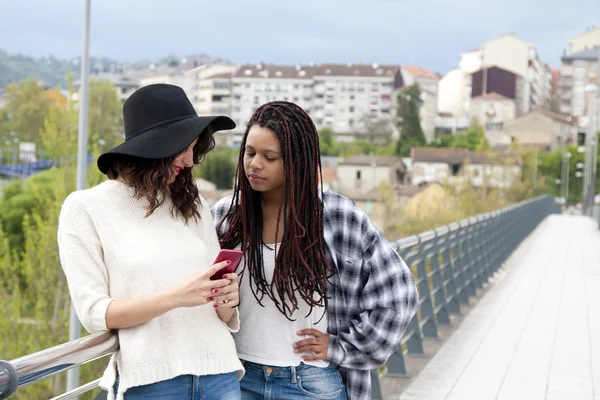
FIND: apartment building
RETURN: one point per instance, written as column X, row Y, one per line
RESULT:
column 585, row 41
column 521, row 58
column 349, row 99
column 494, row 111
column 254, row 85
column 577, row 71
column 352, row 99
column 211, row 88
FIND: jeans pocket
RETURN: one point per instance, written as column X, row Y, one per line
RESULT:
column 325, row 385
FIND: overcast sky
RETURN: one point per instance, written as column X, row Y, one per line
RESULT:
column 429, row 33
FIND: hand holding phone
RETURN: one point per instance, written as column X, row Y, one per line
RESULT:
column 235, row 256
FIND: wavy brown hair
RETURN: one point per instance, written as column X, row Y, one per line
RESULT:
column 301, row 266
column 149, row 177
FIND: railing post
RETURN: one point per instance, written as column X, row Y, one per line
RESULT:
column 449, row 271
column 375, row 386
column 9, row 379
column 442, row 315
column 428, row 322
column 460, row 263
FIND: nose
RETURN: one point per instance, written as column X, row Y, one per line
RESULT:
column 188, row 159
column 256, row 163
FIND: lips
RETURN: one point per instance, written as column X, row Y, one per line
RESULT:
column 254, row 177
column 178, row 170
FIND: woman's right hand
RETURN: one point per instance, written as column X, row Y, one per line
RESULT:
column 197, row 288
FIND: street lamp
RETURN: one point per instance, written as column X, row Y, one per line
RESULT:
column 82, row 138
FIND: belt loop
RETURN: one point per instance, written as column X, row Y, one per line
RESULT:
column 294, row 377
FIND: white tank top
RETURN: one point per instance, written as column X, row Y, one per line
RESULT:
column 266, row 336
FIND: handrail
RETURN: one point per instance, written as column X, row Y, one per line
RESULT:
column 43, row 364
column 471, row 250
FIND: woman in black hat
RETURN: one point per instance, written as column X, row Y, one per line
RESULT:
column 137, row 251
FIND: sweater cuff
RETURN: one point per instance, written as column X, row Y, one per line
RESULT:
column 234, row 323
column 98, row 315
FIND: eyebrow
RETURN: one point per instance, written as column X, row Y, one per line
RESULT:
column 266, row 151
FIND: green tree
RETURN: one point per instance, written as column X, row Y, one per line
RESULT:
column 378, row 131
column 411, row 133
column 35, row 311
column 327, row 143
column 218, row 167
column 26, row 107
column 105, row 115
column 473, row 139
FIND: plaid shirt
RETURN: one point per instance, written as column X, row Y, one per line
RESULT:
column 372, row 295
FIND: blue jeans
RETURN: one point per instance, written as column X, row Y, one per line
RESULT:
column 263, row 382
column 188, row 387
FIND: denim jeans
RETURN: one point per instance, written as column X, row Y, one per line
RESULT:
column 263, row 382
column 188, row 387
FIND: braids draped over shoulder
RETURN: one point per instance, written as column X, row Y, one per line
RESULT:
column 301, row 264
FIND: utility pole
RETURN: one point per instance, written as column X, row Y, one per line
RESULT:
column 82, row 155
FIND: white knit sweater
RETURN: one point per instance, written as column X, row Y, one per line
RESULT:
column 109, row 250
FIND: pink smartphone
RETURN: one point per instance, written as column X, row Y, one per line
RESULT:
column 234, row 255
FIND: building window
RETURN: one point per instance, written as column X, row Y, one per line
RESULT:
column 219, row 110
column 358, row 175
column 220, row 85
column 256, row 100
column 329, row 99
column 494, row 126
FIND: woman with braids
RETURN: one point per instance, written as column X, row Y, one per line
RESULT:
column 137, row 252
column 324, row 298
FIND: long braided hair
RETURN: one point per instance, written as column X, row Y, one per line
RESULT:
column 301, row 264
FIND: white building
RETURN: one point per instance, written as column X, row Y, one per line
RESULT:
column 254, row 85
column 521, row 58
column 508, row 53
column 587, row 40
column 186, row 82
column 451, row 96
column 458, row 165
column 493, row 111
column 349, row 99
column 578, row 70
column 211, row 88
column 353, row 98
column 361, row 174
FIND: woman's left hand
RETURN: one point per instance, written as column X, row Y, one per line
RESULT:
column 227, row 296
column 317, row 344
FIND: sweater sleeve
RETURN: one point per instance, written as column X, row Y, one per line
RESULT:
column 81, row 258
column 212, row 243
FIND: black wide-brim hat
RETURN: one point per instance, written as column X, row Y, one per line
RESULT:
column 160, row 122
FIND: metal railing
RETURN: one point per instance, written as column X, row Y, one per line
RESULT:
column 451, row 263
column 43, row 364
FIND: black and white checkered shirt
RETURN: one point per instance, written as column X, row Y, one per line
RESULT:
column 372, row 295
